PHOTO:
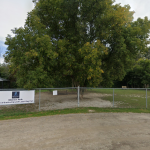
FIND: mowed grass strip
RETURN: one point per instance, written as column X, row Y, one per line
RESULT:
column 18, row 115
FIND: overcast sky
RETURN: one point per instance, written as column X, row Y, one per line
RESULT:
column 14, row 12
column 141, row 7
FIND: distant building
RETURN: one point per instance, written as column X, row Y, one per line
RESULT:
column 4, row 83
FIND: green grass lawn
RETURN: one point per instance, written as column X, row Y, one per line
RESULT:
column 125, row 98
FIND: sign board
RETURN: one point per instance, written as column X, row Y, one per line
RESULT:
column 55, row 92
column 16, row 97
column 124, row 86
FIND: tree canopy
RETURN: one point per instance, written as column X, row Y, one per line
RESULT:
column 78, row 42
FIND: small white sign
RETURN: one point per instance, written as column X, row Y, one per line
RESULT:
column 55, row 92
column 16, row 97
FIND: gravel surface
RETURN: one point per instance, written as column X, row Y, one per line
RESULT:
column 92, row 131
column 51, row 102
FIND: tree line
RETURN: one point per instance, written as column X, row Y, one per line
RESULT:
column 77, row 43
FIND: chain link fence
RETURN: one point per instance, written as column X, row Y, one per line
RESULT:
column 116, row 97
column 61, row 98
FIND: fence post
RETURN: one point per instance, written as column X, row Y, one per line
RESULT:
column 146, row 98
column 39, row 98
column 78, row 95
column 113, row 97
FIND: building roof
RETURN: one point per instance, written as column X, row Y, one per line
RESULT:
column 2, row 79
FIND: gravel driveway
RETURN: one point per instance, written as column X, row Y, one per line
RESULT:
column 91, row 131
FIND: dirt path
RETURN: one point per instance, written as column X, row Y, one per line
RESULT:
column 93, row 131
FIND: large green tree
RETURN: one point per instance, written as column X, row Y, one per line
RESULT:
column 83, row 42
